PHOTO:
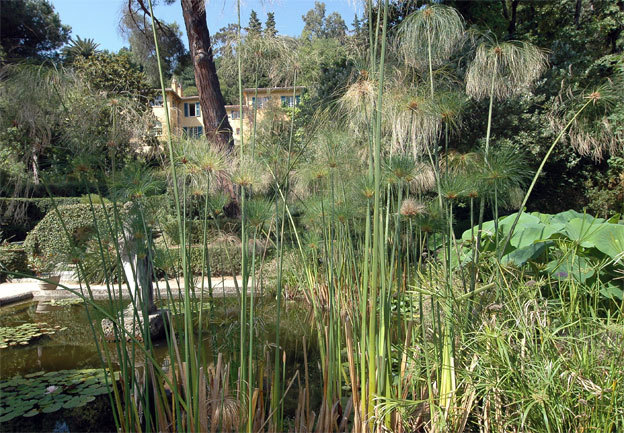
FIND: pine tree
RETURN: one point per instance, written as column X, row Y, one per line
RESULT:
column 269, row 25
column 255, row 26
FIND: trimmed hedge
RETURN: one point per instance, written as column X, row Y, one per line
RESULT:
column 167, row 261
column 13, row 258
column 49, row 240
column 196, row 229
column 20, row 215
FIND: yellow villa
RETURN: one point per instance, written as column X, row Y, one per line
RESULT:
column 186, row 117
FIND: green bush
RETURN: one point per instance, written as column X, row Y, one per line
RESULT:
column 564, row 246
column 196, row 229
column 49, row 240
column 225, row 259
column 19, row 215
column 12, row 259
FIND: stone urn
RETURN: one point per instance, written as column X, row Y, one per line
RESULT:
column 51, row 283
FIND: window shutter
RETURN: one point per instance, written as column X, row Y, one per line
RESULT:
column 197, row 109
column 298, row 99
column 200, row 131
column 283, row 101
column 186, row 110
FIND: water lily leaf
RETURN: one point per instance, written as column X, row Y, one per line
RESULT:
column 31, row 412
column 52, row 408
column 9, row 417
column 38, row 373
column 73, row 403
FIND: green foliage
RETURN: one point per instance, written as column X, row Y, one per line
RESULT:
column 606, row 190
column 30, row 29
column 49, row 392
column 317, row 25
column 12, row 259
column 269, row 25
column 116, row 74
column 254, row 28
column 224, row 259
column 195, row 229
column 135, row 28
column 20, row 215
column 547, row 372
column 49, row 240
column 79, row 47
column 567, row 245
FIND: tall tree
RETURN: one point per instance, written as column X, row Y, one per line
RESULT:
column 216, row 125
column 30, row 29
column 334, row 26
column 269, row 25
column 317, row 25
column 255, row 26
column 115, row 74
column 314, row 20
column 136, row 29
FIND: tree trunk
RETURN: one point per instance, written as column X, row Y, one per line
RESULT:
column 35, row 167
column 216, row 125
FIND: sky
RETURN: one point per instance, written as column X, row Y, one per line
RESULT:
column 99, row 19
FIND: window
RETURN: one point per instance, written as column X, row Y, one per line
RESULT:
column 289, row 101
column 193, row 131
column 192, row 109
column 235, row 115
column 157, row 101
column 237, row 131
column 261, row 102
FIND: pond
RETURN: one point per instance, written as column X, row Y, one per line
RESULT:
column 71, row 347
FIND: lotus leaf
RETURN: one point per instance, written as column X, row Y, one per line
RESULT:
column 609, row 240
column 582, row 229
column 579, row 268
column 586, row 241
column 521, row 256
column 611, row 291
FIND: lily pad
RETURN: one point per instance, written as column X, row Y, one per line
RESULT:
column 48, row 392
column 32, row 412
column 24, row 334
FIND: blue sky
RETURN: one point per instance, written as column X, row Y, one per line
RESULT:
column 98, row 19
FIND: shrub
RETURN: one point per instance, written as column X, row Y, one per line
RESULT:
column 196, row 229
column 49, row 240
column 20, row 215
column 13, row 258
column 225, row 259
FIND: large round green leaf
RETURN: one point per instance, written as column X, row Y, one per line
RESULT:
column 572, row 266
column 582, row 230
column 520, row 256
column 609, row 240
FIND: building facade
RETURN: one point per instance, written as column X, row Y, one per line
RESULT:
column 186, row 117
